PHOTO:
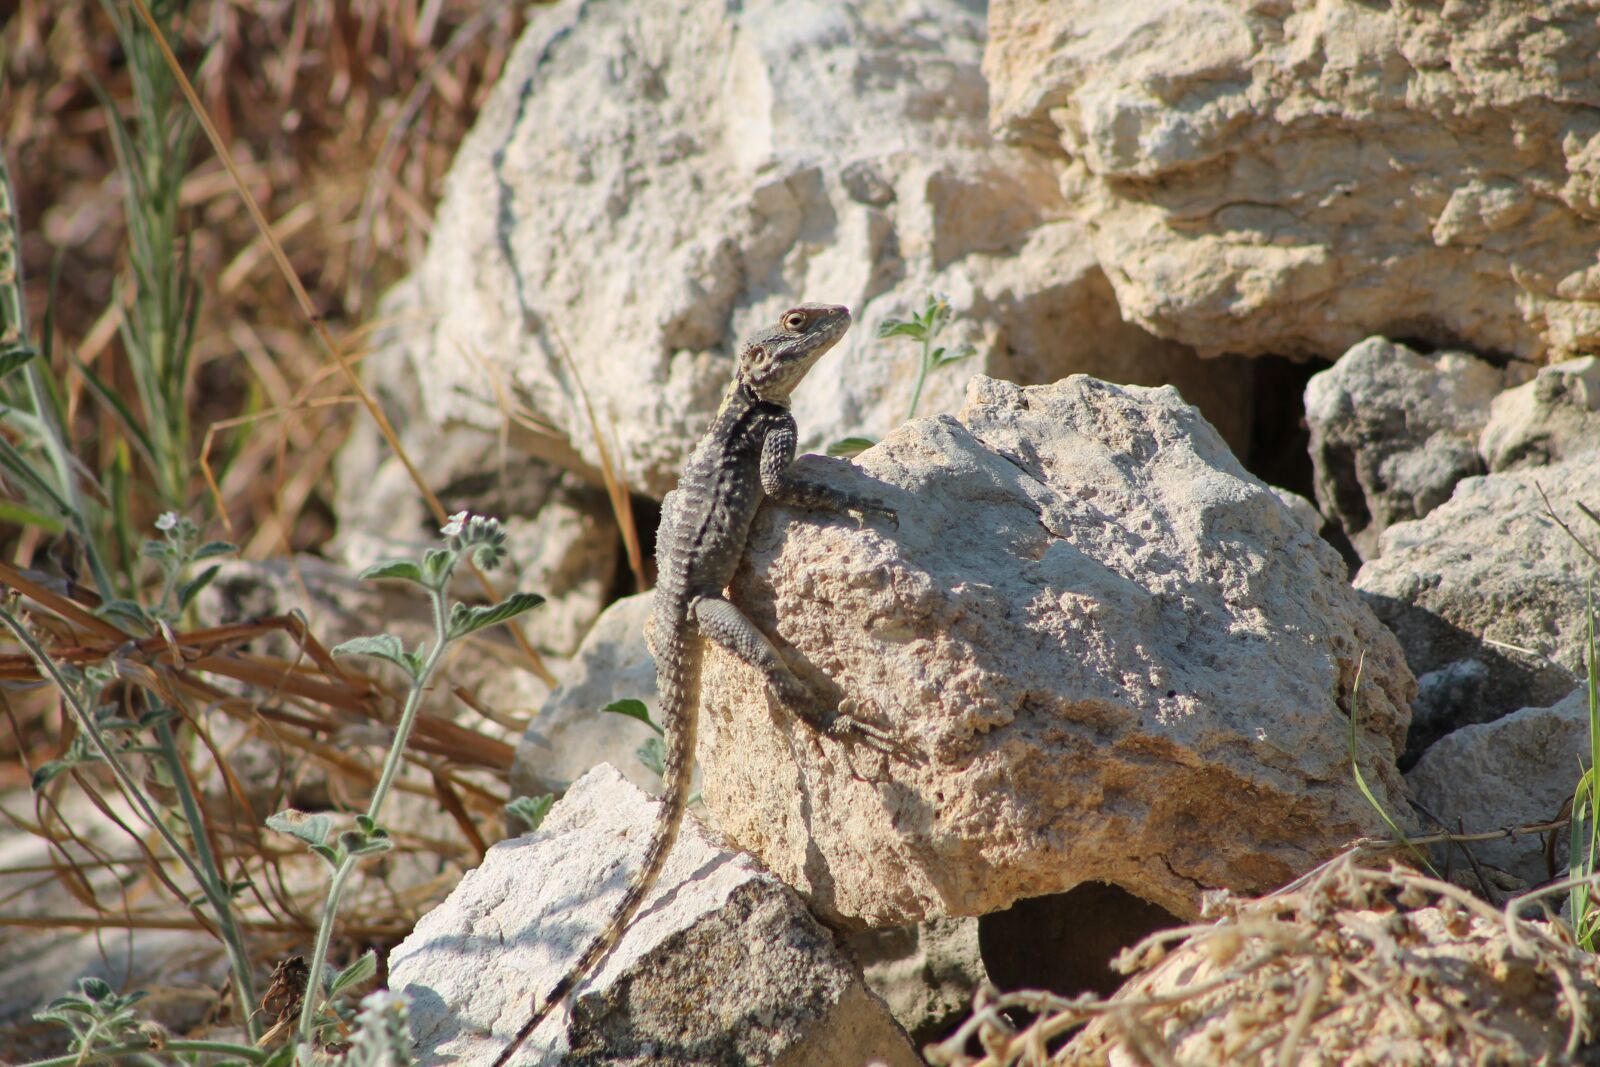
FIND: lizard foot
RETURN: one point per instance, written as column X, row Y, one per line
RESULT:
column 849, row 725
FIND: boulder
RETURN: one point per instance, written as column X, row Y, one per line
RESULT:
column 591, row 279
column 1290, row 177
column 1487, row 594
column 571, row 733
column 1516, row 771
column 1392, row 432
column 723, row 964
column 1546, row 420
column 1112, row 655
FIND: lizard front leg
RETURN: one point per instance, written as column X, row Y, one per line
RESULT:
column 782, row 484
column 719, row 621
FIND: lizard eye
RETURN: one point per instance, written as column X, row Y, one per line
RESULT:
column 795, row 321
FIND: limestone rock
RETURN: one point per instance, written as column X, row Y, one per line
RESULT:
column 650, row 182
column 1393, row 431
column 925, row 973
column 1482, row 576
column 1290, row 177
column 1548, row 419
column 571, row 733
column 722, row 965
column 1115, row 655
column 1516, row 771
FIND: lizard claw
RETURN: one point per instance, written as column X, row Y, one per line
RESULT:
column 848, row 725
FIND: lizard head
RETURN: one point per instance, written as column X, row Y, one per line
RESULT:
column 772, row 361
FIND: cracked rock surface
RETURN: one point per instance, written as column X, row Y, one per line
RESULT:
column 722, row 965
column 1117, row 656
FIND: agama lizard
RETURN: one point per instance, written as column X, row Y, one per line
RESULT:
column 746, row 456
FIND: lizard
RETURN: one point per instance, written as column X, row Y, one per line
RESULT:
column 746, row 456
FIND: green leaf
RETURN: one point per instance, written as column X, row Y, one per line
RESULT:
column 46, row 773
column 531, row 810
column 653, row 755
column 364, row 969
column 380, row 646
column 312, row 829
column 902, row 328
column 942, row 357
column 190, row 589
column 213, row 549
column 850, row 446
column 125, row 609
column 402, row 569
column 633, row 709
column 159, row 550
column 15, row 359
column 437, row 563
column 465, row 620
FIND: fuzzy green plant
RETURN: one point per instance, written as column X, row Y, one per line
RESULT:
column 466, row 537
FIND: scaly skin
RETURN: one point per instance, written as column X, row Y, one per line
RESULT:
column 746, row 456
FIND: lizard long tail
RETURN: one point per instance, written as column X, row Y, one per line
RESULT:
column 679, row 685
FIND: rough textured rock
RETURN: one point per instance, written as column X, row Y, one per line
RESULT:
column 762, row 981
column 835, row 152
column 1117, row 655
column 1516, row 771
column 1291, row 177
column 1548, row 419
column 1358, row 967
column 925, row 973
column 571, row 734
column 1393, row 431
column 1484, row 575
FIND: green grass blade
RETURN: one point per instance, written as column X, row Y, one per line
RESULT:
column 1360, row 779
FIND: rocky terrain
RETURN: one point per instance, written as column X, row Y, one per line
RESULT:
column 1132, row 665
column 1256, row 532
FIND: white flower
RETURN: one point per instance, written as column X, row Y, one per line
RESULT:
column 457, row 523
column 167, row 521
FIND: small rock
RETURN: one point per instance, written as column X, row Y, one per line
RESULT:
column 1546, row 420
column 926, row 973
column 722, row 965
column 1489, row 590
column 1516, row 771
column 1114, row 655
column 1392, row 432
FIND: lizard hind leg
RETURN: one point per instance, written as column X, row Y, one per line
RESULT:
column 720, row 621
column 725, row 624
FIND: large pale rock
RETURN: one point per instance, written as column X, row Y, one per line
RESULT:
column 571, row 733
column 1115, row 655
column 1516, row 771
column 1487, row 595
column 1290, row 177
column 1548, row 419
column 722, row 965
column 650, row 182
column 1393, row 431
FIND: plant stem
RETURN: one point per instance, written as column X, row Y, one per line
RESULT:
column 922, row 374
column 215, row 895
column 391, row 766
column 114, row 1053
